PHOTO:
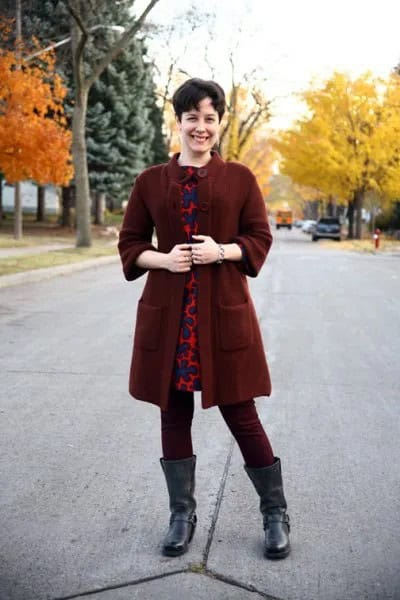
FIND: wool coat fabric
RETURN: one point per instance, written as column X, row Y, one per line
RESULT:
column 231, row 210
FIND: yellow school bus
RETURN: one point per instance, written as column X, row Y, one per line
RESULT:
column 284, row 218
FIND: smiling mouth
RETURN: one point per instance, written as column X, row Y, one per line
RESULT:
column 199, row 139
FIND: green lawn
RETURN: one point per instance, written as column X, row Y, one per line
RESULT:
column 26, row 262
column 7, row 240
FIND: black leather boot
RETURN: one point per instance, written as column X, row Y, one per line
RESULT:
column 180, row 476
column 269, row 486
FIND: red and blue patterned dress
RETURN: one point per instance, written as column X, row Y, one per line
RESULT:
column 187, row 371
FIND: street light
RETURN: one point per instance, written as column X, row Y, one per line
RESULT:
column 67, row 39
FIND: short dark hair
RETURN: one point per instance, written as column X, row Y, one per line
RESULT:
column 189, row 94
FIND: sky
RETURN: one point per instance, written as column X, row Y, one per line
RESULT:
column 285, row 43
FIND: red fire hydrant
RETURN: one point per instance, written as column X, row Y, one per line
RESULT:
column 377, row 238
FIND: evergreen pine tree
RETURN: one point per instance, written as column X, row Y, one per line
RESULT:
column 123, row 101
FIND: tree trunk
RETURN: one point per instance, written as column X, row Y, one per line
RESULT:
column 314, row 209
column 17, row 212
column 82, row 86
column 17, row 192
column 359, row 200
column 41, row 199
column 331, row 207
column 82, row 192
column 373, row 220
column 1, row 199
column 79, row 155
column 350, row 216
column 99, row 208
column 66, row 220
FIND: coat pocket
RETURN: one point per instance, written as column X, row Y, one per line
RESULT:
column 235, row 327
column 148, row 326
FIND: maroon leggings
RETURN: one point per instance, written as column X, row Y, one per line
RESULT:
column 242, row 419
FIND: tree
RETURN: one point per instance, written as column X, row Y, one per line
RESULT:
column 122, row 124
column 258, row 156
column 31, row 121
column 83, row 81
column 247, row 111
column 347, row 145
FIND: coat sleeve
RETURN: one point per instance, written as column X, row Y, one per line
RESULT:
column 136, row 233
column 255, row 236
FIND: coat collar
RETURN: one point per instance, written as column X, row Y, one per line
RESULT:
column 176, row 172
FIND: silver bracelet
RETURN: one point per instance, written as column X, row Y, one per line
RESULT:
column 221, row 254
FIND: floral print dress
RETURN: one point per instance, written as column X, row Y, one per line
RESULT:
column 187, row 371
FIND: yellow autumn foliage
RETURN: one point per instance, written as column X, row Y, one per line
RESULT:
column 349, row 141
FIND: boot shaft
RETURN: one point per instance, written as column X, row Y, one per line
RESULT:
column 269, row 486
column 180, row 478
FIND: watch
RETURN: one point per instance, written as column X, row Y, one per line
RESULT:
column 221, row 254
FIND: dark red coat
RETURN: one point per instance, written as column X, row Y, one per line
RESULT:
column 231, row 209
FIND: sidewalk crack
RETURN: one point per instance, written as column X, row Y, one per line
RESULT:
column 238, row 584
column 218, row 504
column 118, row 586
column 203, row 572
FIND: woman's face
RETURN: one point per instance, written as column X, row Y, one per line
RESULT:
column 199, row 128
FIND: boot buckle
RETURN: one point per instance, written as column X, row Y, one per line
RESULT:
column 277, row 517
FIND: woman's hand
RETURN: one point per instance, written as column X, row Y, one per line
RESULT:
column 179, row 259
column 205, row 252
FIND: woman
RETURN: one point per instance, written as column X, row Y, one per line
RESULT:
column 196, row 326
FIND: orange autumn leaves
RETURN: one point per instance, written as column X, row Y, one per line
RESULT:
column 34, row 139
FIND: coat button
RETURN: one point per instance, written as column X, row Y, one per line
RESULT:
column 202, row 172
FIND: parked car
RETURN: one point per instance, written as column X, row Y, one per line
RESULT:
column 327, row 227
column 298, row 223
column 308, row 225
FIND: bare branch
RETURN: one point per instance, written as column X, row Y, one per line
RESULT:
column 207, row 61
column 77, row 18
column 224, row 131
column 92, row 6
column 250, row 129
column 184, row 72
column 233, row 68
column 78, row 53
column 166, row 89
column 124, row 40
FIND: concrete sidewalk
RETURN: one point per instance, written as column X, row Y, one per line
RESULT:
column 28, row 250
column 48, row 272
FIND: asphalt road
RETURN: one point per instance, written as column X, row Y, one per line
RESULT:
column 83, row 504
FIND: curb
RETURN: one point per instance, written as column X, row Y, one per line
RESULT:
column 49, row 272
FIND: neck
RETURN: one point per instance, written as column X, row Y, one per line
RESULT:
column 194, row 160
